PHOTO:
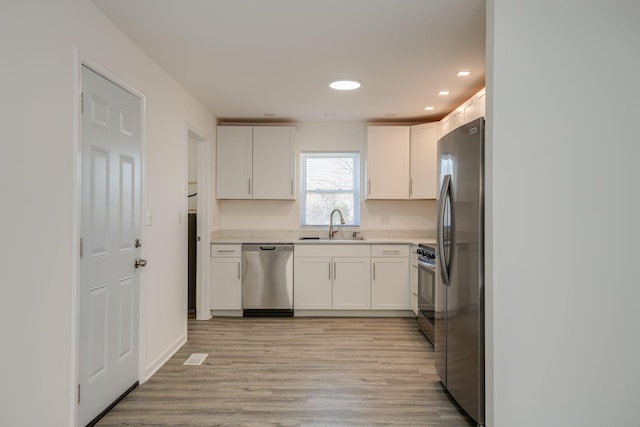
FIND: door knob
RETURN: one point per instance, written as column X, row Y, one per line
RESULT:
column 139, row 262
column 138, row 243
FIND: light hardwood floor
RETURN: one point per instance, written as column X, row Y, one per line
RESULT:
column 296, row 372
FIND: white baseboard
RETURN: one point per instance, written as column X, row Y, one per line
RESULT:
column 353, row 313
column 163, row 358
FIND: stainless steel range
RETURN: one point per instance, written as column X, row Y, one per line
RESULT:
column 426, row 290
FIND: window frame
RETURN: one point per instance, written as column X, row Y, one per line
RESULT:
column 355, row 155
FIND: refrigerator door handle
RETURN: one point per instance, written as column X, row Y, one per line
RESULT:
column 445, row 191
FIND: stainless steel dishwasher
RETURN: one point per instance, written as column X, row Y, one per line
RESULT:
column 267, row 279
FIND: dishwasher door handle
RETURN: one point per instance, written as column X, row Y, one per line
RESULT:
column 267, row 248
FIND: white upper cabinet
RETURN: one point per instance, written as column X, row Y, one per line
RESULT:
column 470, row 110
column 388, row 151
column 234, row 162
column 255, row 162
column 424, row 161
column 482, row 104
column 273, row 162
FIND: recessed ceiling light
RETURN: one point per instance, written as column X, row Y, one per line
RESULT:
column 429, row 108
column 344, row 85
column 463, row 73
column 443, row 92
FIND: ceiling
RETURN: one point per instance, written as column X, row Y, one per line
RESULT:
column 259, row 60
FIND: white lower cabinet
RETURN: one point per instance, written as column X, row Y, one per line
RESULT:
column 351, row 284
column 390, row 277
column 226, row 273
column 413, row 279
column 332, row 277
column 312, row 279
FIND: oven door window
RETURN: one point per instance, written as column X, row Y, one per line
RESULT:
column 426, row 290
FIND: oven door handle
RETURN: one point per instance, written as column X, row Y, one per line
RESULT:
column 426, row 266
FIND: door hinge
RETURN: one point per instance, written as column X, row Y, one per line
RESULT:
column 81, row 247
column 78, row 394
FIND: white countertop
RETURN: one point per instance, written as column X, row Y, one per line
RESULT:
column 374, row 240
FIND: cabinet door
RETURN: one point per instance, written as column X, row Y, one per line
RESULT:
column 233, row 162
column 469, row 110
column 413, row 281
column 312, row 283
column 481, row 100
column 273, row 162
column 445, row 126
column 387, row 162
column 390, row 284
column 424, row 161
column 226, row 291
column 351, row 283
column 456, row 119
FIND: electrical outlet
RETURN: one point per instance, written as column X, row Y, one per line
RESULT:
column 148, row 219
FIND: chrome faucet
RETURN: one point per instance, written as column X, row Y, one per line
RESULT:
column 332, row 232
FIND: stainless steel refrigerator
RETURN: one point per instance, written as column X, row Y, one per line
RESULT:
column 459, row 328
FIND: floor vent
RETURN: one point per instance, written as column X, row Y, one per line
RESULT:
column 196, row 359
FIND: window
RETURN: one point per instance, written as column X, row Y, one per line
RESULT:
column 329, row 181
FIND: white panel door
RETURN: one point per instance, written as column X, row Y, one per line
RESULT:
column 110, row 225
column 424, row 161
column 351, row 283
column 273, row 162
column 233, row 162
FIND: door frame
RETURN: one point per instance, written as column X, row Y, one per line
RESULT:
column 80, row 59
column 203, row 222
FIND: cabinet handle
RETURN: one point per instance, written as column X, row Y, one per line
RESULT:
column 329, row 270
column 292, row 186
column 225, row 251
column 249, row 186
column 334, row 271
column 390, row 252
column 374, row 271
column 369, row 187
column 238, row 271
column 410, row 186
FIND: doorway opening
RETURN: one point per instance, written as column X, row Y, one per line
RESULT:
column 198, row 238
column 192, row 227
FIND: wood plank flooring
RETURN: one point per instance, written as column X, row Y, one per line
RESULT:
column 296, row 372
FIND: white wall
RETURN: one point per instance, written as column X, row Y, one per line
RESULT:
column 39, row 221
column 285, row 215
column 564, row 338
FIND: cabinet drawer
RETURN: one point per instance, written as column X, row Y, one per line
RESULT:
column 225, row 250
column 332, row 250
column 390, row 250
